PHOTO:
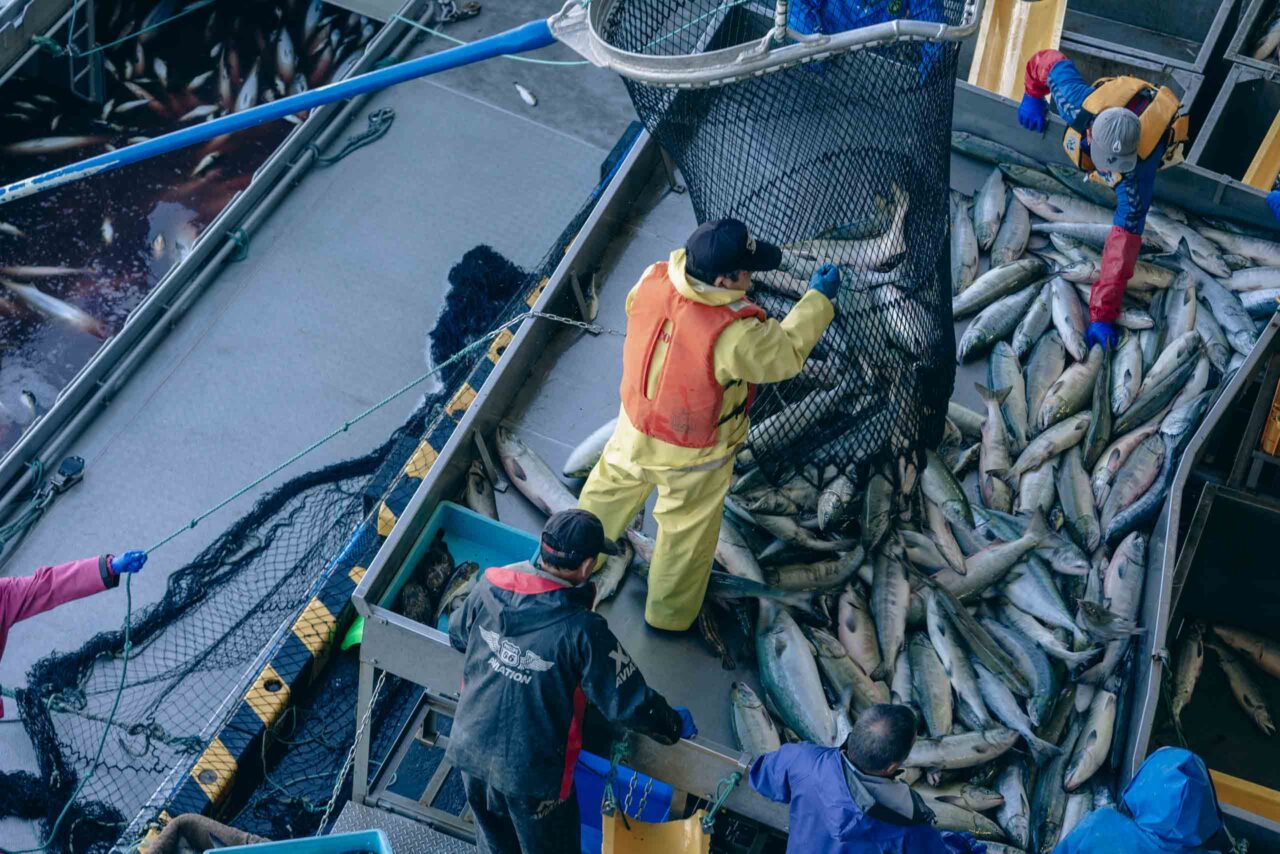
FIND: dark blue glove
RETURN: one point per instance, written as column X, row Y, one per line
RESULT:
column 1032, row 113
column 131, row 561
column 1273, row 202
column 826, row 281
column 1102, row 334
column 687, row 729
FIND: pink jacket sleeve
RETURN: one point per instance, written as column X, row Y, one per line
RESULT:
column 49, row 587
column 1036, row 79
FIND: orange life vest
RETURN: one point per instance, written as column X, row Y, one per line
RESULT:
column 685, row 408
column 1159, row 121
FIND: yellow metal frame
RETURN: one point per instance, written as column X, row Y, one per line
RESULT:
column 1265, row 167
column 1011, row 32
column 1247, row 796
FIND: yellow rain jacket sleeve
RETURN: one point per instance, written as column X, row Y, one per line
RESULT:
column 748, row 351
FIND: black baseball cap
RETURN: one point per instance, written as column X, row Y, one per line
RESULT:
column 572, row 536
column 724, row 246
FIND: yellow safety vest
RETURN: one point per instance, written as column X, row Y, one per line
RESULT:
column 1160, row 121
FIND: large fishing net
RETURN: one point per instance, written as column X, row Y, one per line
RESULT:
column 222, row 616
column 845, row 161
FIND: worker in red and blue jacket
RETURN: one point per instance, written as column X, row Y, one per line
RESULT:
column 50, row 586
column 536, row 654
column 1121, row 131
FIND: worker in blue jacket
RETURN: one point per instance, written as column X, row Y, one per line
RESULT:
column 828, row 17
column 1170, row 806
column 845, row 801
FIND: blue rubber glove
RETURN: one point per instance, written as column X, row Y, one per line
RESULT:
column 1033, row 113
column 1102, row 334
column 687, row 729
column 131, row 561
column 826, row 281
column 1273, row 202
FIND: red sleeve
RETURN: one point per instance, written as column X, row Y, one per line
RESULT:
column 1119, row 257
column 49, row 587
column 1037, row 77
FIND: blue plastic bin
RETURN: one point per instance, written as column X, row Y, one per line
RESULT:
column 338, row 843
column 589, row 779
column 469, row 536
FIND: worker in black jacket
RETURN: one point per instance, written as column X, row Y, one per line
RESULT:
column 535, row 655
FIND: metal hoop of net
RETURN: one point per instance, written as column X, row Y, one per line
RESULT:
column 845, row 161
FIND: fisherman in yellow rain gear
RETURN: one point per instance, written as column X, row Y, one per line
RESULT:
column 695, row 349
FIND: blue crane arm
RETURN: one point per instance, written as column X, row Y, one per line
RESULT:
column 527, row 37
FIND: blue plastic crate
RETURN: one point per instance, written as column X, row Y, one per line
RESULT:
column 588, row 779
column 338, row 843
column 469, row 536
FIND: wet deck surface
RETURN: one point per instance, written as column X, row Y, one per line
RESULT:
column 328, row 314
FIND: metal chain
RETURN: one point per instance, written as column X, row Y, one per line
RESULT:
column 581, row 324
column 631, row 790
column 644, row 796
column 351, row 754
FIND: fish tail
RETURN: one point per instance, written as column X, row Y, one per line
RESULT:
column 998, row 395
column 1038, row 528
column 1041, row 750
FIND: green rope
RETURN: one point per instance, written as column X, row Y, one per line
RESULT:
column 723, row 791
column 72, row 50
column 528, row 59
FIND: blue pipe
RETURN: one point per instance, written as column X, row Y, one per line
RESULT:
column 527, row 37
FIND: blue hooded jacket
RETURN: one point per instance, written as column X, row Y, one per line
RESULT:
column 1173, row 806
column 824, row 816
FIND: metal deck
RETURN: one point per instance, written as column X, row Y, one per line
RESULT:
column 328, row 313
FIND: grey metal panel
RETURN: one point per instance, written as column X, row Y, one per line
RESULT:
column 1162, row 559
column 1241, row 114
column 19, row 21
column 986, row 114
column 1240, row 48
column 1182, row 35
column 1095, row 61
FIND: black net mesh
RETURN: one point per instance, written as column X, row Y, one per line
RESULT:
column 193, row 651
column 844, row 161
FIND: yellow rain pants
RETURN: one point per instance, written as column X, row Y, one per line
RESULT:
column 690, row 506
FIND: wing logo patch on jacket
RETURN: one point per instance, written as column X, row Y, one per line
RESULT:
column 512, row 662
column 623, row 664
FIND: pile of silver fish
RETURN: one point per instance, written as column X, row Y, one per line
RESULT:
column 996, row 590
column 1233, row 647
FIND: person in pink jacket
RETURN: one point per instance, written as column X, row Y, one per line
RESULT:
column 51, row 586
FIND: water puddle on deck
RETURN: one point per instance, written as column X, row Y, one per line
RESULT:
column 75, row 261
